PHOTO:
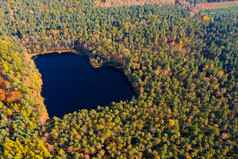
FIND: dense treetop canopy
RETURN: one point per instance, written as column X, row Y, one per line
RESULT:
column 184, row 70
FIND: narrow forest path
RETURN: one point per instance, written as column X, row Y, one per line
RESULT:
column 12, row 13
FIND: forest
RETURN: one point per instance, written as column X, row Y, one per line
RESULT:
column 183, row 68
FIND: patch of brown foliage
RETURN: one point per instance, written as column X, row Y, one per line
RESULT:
column 108, row 3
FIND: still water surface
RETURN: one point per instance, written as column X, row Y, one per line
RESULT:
column 70, row 83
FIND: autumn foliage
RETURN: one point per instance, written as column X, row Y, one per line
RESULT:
column 183, row 69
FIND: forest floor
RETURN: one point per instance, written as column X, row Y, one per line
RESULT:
column 219, row 5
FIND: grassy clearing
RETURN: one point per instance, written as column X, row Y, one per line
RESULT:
column 220, row 5
column 226, row 4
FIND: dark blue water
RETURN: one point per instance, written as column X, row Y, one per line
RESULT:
column 70, row 83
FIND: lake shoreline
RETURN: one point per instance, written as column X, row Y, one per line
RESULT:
column 48, row 63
